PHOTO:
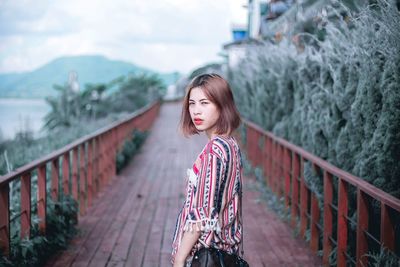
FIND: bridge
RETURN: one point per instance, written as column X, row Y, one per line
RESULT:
column 128, row 219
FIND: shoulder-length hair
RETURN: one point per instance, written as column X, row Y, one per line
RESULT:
column 219, row 92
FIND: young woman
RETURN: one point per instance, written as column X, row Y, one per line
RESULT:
column 210, row 214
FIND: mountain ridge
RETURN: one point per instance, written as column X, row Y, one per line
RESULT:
column 39, row 83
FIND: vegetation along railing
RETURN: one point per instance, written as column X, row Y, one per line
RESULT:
column 93, row 165
column 343, row 194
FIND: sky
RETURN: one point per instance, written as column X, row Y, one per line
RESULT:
column 163, row 35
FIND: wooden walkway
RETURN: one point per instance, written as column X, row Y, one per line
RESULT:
column 132, row 221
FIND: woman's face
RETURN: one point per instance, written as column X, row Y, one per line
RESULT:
column 203, row 112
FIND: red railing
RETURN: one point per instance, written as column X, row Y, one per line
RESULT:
column 283, row 168
column 93, row 165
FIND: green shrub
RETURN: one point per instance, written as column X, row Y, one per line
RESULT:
column 20, row 152
column 34, row 251
column 383, row 258
column 129, row 149
column 339, row 98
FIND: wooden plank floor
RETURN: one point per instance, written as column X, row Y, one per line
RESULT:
column 132, row 221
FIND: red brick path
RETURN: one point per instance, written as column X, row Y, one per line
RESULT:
column 131, row 223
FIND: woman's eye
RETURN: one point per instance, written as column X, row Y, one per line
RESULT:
column 204, row 103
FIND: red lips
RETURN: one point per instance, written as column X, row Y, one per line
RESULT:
column 198, row 121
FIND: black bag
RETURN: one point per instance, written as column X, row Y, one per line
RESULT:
column 212, row 257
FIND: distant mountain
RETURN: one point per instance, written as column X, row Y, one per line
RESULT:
column 91, row 69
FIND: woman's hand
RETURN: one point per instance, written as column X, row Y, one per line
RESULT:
column 179, row 263
column 188, row 240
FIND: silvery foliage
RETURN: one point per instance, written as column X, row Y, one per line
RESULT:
column 338, row 98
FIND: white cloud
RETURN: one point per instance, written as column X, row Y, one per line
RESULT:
column 164, row 35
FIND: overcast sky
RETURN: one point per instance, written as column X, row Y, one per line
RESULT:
column 164, row 35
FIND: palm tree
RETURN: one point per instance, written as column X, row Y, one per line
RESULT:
column 62, row 108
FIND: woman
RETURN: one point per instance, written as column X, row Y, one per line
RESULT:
column 210, row 214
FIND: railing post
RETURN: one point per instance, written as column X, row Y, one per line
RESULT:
column 314, row 242
column 253, row 147
column 119, row 136
column 96, row 172
column 265, row 158
column 101, row 161
column 295, row 187
column 65, row 171
column 115, row 151
column 278, row 161
column 5, row 219
column 282, row 178
column 268, row 172
column 104, row 156
column 82, row 180
column 107, row 156
column 110, row 155
column 249, row 144
column 41, row 198
column 273, row 166
column 75, row 173
column 342, row 223
column 387, row 228
column 303, row 200
column 106, row 142
column 54, row 179
column 89, row 172
column 26, row 205
column 257, row 150
column 328, row 216
column 362, row 225
column 286, row 170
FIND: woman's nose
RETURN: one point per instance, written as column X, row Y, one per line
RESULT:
column 196, row 110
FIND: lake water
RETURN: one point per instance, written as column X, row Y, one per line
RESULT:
column 17, row 114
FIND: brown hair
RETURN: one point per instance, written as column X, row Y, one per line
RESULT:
column 219, row 92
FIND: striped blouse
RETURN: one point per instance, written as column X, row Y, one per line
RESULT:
column 212, row 198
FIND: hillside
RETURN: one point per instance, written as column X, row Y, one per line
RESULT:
column 91, row 69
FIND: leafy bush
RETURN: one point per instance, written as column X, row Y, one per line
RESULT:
column 92, row 108
column 134, row 92
column 18, row 152
column 124, row 94
column 34, row 251
column 339, row 98
column 384, row 258
column 129, row 149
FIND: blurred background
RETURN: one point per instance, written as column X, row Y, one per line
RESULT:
column 300, row 69
column 322, row 74
column 42, row 44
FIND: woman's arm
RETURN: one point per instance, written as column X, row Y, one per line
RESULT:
column 201, row 212
column 188, row 240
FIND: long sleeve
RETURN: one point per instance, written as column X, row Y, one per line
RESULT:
column 202, row 205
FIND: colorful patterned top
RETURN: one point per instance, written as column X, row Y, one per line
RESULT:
column 212, row 198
